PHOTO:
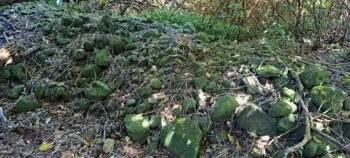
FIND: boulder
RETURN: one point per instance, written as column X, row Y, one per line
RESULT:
column 79, row 54
column 182, row 137
column 155, row 121
column 106, row 24
column 200, row 82
column 91, row 71
column 89, row 45
column 25, row 104
column 144, row 107
column 347, row 104
column 223, row 109
column 5, row 72
column 290, row 94
column 318, row 147
column 137, row 127
column 282, row 108
column 328, row 97
column 102, row 58
column 18, row 72
column 268, row 71
column 98, row 91
column 131, row 46
column 254, row 120
column 286, row 123
column 190, row 105
column 145, row 92
column 156, row 83
column 313, row 76
column 118, row 45
column 15, row 92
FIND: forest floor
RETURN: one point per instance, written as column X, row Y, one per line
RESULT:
column 49, row 48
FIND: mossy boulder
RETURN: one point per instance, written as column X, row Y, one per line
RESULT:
column 152, row 33
column 98, row 91
column 318, row 147
column 25, row 104
column 143, row 107
column 145, row 92
column 347, row 104
column 200, row 82
column 62, row 40
column 282, row 81
column 79, row 54
column 190, row 105
column 282, row 108
column 290, row 94
column 89, row 45
column 137, row 127
column 328, row 97
column 5, row 73
column 203, row 122
column 117, row 45
column 40, row 90
column 254, row 120
column 268, row 71
column 106, row 24
column 18, row 72
column 102, row 41
column 286, row 123
column 313, row 76
column 223, row 109
column 15, row 92
column 91, row 71
column 102, row 58
column 182, row 137
column 219, row 136
column 131, row 46
column 156, row 83
column 78, row 22
column 155, row 121
column 66, row 21
column 210, row 86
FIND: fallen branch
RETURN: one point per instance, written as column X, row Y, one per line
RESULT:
column 331, row 139
column 307, row 135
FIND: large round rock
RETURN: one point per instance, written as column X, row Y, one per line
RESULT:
column 223, row 109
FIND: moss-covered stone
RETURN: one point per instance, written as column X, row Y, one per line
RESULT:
column 268, row 71
column 253, row 85
column 89, row 45
column 117, row 45
column 5, row 73
column 290, row 94
column 203, row 122
column 156, row 83
column 200, row 82
column 254, row 120
column 182, row 137
column 15, row 92
column 282, row 81
column 286, row 123
column 155, row 121
column 40, row 90
column 98, row 91
column 25, row 104
column 106, row 24
column 84, row 105
column 223, row 109
column 190, row 105
column 282, row 108
column 78, row 22
column 143, row 107
column 66, row 21
column 91, row 71
column 102, row 41
column 313, row 76
column 79, row 54
column 137, row 127
column 211, row 85
column 347, row 104
column 102, row 58
column 18, row 72
column 62, row 40
column 152, row 33
column 145, row 92
column 318, row 147
column 131, row 46
column 328, row 97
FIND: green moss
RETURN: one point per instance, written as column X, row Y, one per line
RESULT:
column 62, row 41
column 98, row 91
column 328, row 97
column 15, row 92
column 152, row 33
column 79, row 54
column 182, row 137
column 211, row 85
column 282, row 108
column 190, row 105
column 5, row 72
column 268, row 71
column 347, row 104
column 91, row 71
column 66, row 21
column 89, row 45
column 156, row 83
column 78, row 22
column 25, row 104
column 200, row 83
column 131, row 46
column 313, row 76
column 40, row 90
column 145, row 92
column 102, row 58
column 291, row 94
column 223, row 109
column 117, row 45
column 254, row 120
column 144, row 107
column 137, row 127
column 18, row 72
column 155, row 121
column 106, row 24
column 203, row 122
column 286, row 123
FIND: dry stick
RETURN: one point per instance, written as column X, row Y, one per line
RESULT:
column 308, row 116
column 336, row 142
